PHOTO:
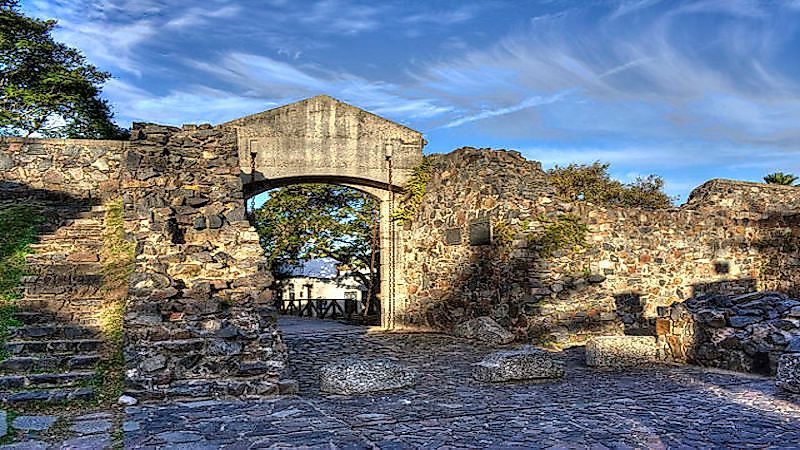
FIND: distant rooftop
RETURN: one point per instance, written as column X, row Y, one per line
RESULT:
column 315, row 268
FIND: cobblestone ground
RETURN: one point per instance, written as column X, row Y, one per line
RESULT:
column 661, row 407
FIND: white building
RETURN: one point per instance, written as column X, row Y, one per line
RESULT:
column 319, row 279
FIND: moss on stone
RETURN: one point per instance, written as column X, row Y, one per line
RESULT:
column 564, row 232
column 118, row 257
column 414, row 191
column 17, row 232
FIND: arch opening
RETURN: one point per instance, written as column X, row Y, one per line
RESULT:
column 322, row 242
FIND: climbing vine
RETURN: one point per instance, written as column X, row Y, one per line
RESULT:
column 564, row 232
column 414, row 191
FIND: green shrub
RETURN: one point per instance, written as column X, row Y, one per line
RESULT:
column 565, row 232
column 414, row 191
column 786, row 179
column 592, row 183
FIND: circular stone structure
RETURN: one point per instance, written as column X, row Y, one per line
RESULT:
column 360, row 376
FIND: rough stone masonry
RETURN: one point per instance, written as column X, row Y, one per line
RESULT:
column 199, row 321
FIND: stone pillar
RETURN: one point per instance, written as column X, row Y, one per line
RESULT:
column 392, row 285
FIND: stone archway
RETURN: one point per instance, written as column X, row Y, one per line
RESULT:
column 196, row 324
column 323, row 140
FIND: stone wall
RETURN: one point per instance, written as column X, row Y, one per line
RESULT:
column 635, row 261
column 743, row 195
column 747, row 332
column 85, row 169
column 198, row 322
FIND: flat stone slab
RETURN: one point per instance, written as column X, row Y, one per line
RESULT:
column 788, row 376
column 92, row 426
column 359, row 376
column 3, row 423
column 621, row 351
column 33, row 423
column 484, row 329
column 526, row 363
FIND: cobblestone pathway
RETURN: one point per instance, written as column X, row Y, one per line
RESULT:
column 652, row 408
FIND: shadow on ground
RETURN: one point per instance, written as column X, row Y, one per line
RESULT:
column 653, row 407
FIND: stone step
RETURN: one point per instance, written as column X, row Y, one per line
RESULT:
column 62, row 268
column 48, row 395
column 57, row 303
column 34, row 317
column 67, row 245
column 44, row 318
column 61, row 278
column 72, row 231
column 44, row 260
column 49, row 363
column 30, row 348
column 45, row 380
column 52, row 331
column 62, row 275
column 61, row 225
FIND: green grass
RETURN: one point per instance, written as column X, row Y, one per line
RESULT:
column 118, row 258
column 17, row 232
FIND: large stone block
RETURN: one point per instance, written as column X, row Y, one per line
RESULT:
column 788, row 376
column 621, row 351
column 526, row 363
column 359, row 376
column 484, row 329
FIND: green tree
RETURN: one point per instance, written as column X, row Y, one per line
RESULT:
column 48, row 87
column 306, row 221
column 786, row 179
column 592, row 183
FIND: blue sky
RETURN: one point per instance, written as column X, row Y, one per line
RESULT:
column 689, row 90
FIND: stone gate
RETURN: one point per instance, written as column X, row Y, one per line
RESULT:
column 199, row 318
column 199, row 321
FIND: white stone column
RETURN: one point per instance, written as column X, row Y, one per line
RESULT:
column 392, row 287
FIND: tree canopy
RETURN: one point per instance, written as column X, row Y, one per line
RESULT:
column 306, row 221
column 592, row 183
column 48, row 87
column 786, row 179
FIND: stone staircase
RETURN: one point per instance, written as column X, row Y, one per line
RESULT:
column 53, row 354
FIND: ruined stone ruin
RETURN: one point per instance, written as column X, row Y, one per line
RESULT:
column 199, row 319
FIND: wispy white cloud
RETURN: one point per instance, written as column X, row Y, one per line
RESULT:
column 193, row 17
column 460, row 14
column 193, row 104
column 525, row 104
column 727, row 88
column 340, row 16
column 264, row 77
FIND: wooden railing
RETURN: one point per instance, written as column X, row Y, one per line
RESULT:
column 323, row 308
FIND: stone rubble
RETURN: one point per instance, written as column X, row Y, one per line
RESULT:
column 526, row 363
column 484, row 329
column 788, row 376
column 351, row 376
column 747, row 332
column 616, row 352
